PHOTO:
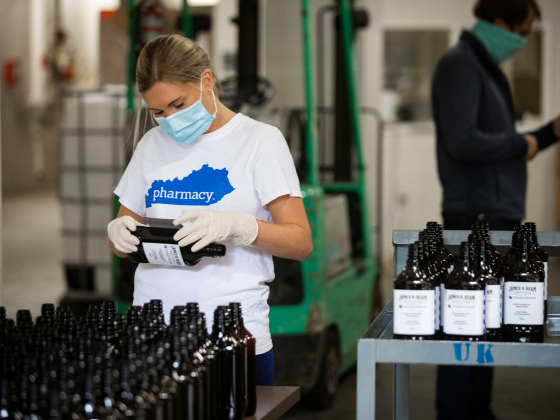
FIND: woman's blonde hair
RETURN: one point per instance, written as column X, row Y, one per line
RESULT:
column 171, row 59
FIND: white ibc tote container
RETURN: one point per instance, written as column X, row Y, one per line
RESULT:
column 91, row 164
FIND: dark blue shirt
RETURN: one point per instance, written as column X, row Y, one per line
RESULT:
column 480, row 156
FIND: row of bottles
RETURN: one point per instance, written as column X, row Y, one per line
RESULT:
column 109, row 366
column 478, row 296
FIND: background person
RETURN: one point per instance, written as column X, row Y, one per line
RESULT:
column 481, row 158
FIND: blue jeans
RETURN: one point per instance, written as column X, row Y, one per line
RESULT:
column 265, row 368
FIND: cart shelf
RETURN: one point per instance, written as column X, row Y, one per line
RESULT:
column 378, row 346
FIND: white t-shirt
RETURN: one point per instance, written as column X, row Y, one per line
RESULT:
column 241, row 167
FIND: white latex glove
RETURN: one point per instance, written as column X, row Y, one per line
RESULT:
column 212, row 226
column 119, row 233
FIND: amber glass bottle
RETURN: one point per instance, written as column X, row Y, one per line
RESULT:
column 464, row 301
column 414, row 300
column 157, row 246
column 523, row 296
column 249, row 341
column 493, row 292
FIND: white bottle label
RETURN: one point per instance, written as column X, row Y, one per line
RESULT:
column 523, row 303
column 442, row 303
column 438, row 307
column 413, row 312
column 494, row 306
column 546, row 280
column 464, row 312
column 164, row 254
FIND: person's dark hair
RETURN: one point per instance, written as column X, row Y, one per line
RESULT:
column 513, row 12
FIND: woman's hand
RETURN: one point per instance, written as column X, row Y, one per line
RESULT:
column 212, row 226
column 119, row 234
column 288, row 237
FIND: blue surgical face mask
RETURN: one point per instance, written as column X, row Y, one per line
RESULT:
column 190, row 123
column 500, row 43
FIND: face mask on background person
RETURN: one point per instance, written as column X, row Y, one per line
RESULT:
column 190, row 123
column 500, row 43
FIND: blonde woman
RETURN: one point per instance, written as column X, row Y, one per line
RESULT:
column 232, row 177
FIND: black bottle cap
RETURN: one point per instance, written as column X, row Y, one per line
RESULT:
column 219, row 317
column 133, row 315
column 514, row 236
column 156, row 307
column 156, row 303
column 236, row 309
column 23, row 315
column 464, row 251
column 216, row 250
column 2, row 313
column 176, row 317
column 522, row 240
column 183, row 312
column 146, row 310
column 531, row 228
column 192, row 310
column 92, row 318
column 47, row 309
column 109, row 309
column 201, row 325
column 413, row 251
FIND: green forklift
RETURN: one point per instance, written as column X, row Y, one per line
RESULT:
column 320, row 307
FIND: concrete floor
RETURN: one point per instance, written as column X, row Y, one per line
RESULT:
column 33, row 275
column 32, row 252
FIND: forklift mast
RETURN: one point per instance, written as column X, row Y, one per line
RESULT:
column 248, row 48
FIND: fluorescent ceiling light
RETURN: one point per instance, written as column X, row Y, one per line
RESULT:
column 178, row 4
column 203, row 2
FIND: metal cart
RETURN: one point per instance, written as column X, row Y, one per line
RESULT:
column 378, row 346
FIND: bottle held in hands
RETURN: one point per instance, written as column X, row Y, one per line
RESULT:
column 157, row 246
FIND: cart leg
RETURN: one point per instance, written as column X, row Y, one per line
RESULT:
column 401, row 391
column 366, row 380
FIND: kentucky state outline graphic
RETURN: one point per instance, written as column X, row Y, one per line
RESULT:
column 203, row 187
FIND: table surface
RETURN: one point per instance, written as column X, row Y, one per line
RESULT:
column 274, row 401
